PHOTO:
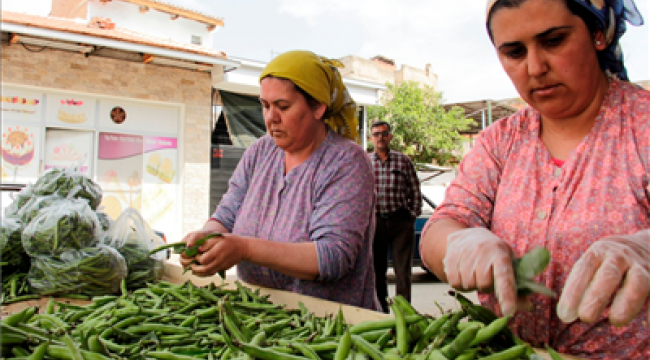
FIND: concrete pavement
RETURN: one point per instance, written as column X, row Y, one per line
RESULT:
column 427, row 291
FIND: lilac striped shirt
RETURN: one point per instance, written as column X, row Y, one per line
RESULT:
column 328, row 199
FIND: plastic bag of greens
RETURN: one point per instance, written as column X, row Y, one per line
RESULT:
column 34, row 206
column 14, row 257
column 92, row 271
column 19, row 200
column 69, row 182
column 134, row 239
column 104, row 220
column 71, row 225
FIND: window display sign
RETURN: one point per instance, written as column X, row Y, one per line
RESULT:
column 70, row 110
column 65, row 148
column 119, row 171
column 21, row 104
column 160, row 179
column 121, row 115
column 20, row 152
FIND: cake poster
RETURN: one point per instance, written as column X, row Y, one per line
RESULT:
column 20, row 152
column 65, row 148
column 21, row 105
column 119, row 171
column 70, row 109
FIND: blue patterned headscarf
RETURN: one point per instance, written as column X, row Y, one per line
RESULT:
column 610, row 17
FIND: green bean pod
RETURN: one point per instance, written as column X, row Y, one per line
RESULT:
column 509, row 354
column 343, row 348
column 491, row 330
column 460, row 342
column 366, row 347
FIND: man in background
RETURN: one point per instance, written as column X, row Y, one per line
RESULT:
column 399, row 203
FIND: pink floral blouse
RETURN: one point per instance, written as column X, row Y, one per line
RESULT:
column 509, row 184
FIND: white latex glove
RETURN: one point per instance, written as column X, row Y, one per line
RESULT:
column 617, row 266
column 476, row 259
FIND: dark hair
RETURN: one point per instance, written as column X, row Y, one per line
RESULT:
column 313, row 103
column 379, row 123
column 576, row 9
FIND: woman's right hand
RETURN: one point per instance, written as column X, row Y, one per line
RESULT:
column 477, row 259
column 189, row 241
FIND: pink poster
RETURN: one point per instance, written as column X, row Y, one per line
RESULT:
column 119, row 171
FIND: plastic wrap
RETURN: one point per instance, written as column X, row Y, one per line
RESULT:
column 92, row 271
column 37, row 203
column 19, row 200
column 13, row 254
column 72, row 225
column 69, row 183
column 135, row 239
column 105, row 221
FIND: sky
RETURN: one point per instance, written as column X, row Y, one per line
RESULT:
column 449, row 35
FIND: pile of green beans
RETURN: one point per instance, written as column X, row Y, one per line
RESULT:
column 182, row 321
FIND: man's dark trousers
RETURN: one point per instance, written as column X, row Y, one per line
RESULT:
column 398, row 230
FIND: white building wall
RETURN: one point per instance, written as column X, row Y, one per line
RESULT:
column 155, row 23
column 31, row 7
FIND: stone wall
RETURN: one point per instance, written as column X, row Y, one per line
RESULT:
column 71, row 71
column 375, row 71
column 69, row 9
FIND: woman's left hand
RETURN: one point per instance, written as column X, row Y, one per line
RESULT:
column 615, row 268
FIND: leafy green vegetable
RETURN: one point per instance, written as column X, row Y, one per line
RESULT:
column 34, row 206
column 92, row 271
column 134, row 239
column 71, row 226
column 69, row 183
column 13, row 253
column 142, row 268
column 528, row 266
column 20, row 199
column 105, row 221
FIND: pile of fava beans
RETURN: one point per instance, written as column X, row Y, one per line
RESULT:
column 183, row 321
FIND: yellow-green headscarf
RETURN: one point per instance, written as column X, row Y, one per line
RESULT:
column 320, row 78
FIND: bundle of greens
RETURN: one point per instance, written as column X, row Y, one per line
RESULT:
column 69, row 183
column 105, row 221
column 92, row 271
column 20, row 199
column 14, row 257
column 72, row 225
column 142, row 268
column 134, row 239
column 34, row 206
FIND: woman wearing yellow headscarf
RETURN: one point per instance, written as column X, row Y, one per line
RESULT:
column 298, row 215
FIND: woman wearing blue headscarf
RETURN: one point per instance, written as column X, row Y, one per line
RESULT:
column 570, row 172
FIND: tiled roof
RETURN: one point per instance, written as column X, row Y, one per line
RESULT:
column 120, row 34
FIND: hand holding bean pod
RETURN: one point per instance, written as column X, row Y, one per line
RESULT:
column 477, row 259
column 203, row 256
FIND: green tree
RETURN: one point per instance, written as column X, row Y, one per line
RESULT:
column 422, row 128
